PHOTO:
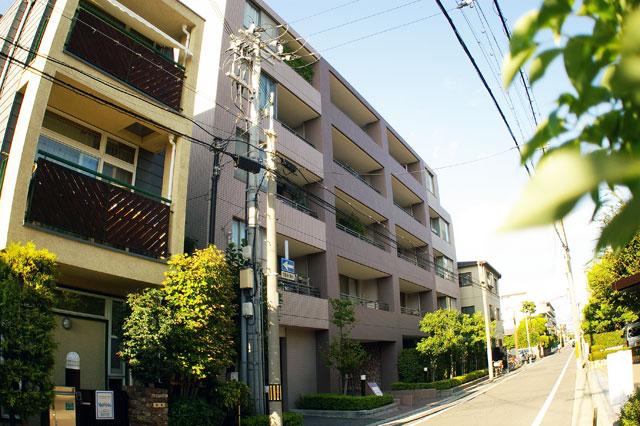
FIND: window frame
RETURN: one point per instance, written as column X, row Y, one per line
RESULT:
column 99, row 153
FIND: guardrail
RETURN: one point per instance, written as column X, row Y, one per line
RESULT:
column 360, row 236
column 373, row 304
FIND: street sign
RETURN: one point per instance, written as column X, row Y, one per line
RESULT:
column 287, row 265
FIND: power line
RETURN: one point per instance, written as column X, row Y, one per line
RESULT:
column 324, row 11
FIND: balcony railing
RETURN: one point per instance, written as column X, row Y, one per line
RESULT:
column 297, row 206
column 299, row 286
column 78, row 204
column 416, row 261
column 358, row 235
column 445, row 273
column 411, row 311
column 373, row 304
column 354, row 173
column 295, row 133
column 93, row 38
column 407, row 211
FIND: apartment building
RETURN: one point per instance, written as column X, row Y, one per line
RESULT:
column 359, row 208
column 95, row 115
column 472, row 276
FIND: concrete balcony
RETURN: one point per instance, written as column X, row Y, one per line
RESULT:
column 301, row 310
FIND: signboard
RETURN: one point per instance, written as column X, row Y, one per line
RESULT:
column 104, row 405
column 375, row 388
column 287, row 265
column 288, row 276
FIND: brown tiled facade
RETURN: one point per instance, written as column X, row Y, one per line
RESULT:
column 397, row 259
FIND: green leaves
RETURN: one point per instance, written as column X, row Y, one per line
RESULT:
column 522, row 46
column 562, row 178
column 540, row 63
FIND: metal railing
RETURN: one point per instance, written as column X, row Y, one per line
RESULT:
column 355, row 174
column 360, row 236
column 416, row 261
column 373, row 304
column 297, row 206
column 295, row 133
column 300, row 286
column 411, row 311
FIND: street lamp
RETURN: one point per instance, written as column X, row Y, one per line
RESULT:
column 363, row 381
column 424, row 370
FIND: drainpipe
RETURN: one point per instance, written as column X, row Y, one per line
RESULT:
column 172, row 142
column 23, row 21
column 186, row 43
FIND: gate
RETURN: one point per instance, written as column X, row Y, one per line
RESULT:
column 86, row 409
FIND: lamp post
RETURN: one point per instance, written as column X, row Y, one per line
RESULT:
column 424, row 371
column 363, row 381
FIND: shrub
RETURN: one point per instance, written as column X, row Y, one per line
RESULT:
column 288, row 419
column 630, row 413
column 194, row 411
column 603, row 354
column 441, row 384
column 330, row 401
column 410, row 365
column 612, row 338
column 596, row 348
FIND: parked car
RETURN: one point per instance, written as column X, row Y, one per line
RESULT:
column 632, row 334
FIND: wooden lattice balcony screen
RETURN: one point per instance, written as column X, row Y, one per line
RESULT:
column 119, row 54
column 82, row 206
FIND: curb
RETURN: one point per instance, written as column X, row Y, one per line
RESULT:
column 349, row 414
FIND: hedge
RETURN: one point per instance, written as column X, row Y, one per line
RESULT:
column 332, row 401
column 630, row 413
column 441, row 384
column 603, row 354
column 288, row 419
column 609, row 339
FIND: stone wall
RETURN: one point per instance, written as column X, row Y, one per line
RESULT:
column 148, row 406
column 372, row 368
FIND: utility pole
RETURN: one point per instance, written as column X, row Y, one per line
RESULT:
column 487, row 328
column 273, row 332
column 515, row 332
column 526, row 323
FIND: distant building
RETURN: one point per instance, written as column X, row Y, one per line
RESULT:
column 471, row 277
column 547, row 311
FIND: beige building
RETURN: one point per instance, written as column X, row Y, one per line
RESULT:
column 95, row 111
column 359, row 208
column 472, row 276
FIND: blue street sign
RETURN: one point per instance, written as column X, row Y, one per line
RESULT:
column 287, row 265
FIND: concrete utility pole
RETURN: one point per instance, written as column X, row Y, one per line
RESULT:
column 526, row 323
column 487, row 328
column 273, row 332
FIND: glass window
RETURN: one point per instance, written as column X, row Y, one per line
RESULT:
column 445, row 230
column 454, row 303
column 469, row 310
column 80, row 303
column 68, row 153
column 121, row 151
column 348, row 285
column 251, row 15
column 71, row 129
column 118, row 315
column 270, row 29
column 465, row 279
column 435, row 225
column 117, row 173
column 431, row 184
column 267, row 86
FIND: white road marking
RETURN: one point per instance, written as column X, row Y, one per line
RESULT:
column 547, row 403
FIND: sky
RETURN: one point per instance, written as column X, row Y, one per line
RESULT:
column 407, row 63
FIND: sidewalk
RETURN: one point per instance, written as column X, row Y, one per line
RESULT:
column 598, row 386
column 421, row 407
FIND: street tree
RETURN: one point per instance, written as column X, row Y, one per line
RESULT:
column 444, row 339
column 528, row 308
column 591, row 138
column 343, row 353
column 473, row 337
column 182, row 333
column 27, row 325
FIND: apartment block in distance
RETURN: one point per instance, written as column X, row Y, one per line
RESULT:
column 471, row 277
column 359, row 208
column 95, row 123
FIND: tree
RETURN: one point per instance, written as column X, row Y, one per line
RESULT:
column 610, row 310
column 343, row 353
column 27, row 293
column 444, row 339
column 182, row 333
column 594, row 129
column 473, row 337
column 528, row 308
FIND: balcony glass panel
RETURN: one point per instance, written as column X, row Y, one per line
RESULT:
column 107, row 45
column 71, row 200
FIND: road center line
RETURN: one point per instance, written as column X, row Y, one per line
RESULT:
column 547, row 403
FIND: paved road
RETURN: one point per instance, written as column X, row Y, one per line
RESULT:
column 521, row 399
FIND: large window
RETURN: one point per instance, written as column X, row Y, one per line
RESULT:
column 253, row 15
column 444, row 267
column 87, row 147
column 469, row 310
column 440, row 227
column 431, row 182
column 465, row 279
column 446, row 302
column 348, row 286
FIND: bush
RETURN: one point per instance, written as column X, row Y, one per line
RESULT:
column 441, row 384
column 612, row 338
column 596, row 348
column 597, row 356
column 331, row 401
column 410, row 365
column 194, row 411
column 630, row 413
column 288, row 419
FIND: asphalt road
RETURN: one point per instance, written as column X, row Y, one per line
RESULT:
column 521, row 399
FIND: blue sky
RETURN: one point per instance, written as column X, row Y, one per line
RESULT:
column 418, row 77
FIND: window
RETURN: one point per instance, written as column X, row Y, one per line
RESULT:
column 348, row 285
column 440, row 227
column 469, row 310
column 88, row 148
column 238, row 234
column 446, row 302
column 444, row 267
column 253, row 15
column 492, row 313
column 435, row 225
column 267, row 86
column 431, row 182
column 465, row 279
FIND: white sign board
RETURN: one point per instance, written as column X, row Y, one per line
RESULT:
column 620, row 366
column 104, row 405
column 374, row 388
